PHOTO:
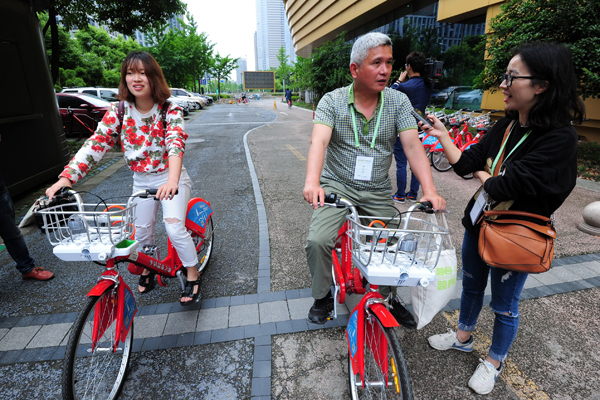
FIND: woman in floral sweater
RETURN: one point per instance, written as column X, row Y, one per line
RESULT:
column 154, row 154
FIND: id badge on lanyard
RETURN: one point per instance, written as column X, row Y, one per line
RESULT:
column 363, row 169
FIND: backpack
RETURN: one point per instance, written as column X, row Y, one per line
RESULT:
column 163, row 114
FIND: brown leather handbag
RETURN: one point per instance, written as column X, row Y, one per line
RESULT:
column 516, row 244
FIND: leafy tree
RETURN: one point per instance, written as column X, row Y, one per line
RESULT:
column 222, row 67
column 463, row 62
column 183, row 55
column 302, row 77
column 330, row 65
column 123, row 16
column 575, row 23
column 284, row 68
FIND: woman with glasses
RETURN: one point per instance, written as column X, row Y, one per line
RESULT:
column 526, row 162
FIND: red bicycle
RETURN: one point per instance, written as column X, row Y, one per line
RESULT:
column 382, row 253
column 82, row 131
column 460, row 137
column 100, row 343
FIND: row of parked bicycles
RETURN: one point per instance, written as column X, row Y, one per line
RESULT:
column 464, row 127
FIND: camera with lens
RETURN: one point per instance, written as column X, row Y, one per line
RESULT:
column 433, row 69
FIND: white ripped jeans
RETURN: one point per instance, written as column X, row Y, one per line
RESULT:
column 174, row 214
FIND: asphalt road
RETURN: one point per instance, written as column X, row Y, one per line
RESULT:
column 555, row 356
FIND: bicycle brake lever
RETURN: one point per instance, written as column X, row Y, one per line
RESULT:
column 426, row 207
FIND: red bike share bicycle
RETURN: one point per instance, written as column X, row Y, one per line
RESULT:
column 100, row 343
column 371, row 251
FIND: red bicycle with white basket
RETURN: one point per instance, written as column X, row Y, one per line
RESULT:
column 100, row 343
column 401, row 251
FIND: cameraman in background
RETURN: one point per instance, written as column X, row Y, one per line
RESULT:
column 418, row 89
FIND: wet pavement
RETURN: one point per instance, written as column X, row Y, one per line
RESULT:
column 249, row 337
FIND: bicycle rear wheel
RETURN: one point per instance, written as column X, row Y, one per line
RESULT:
column 96, row 373
column 380, row 384
column 204, row 246
column 439, row 161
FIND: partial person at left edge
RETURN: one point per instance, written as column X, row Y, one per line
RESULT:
column 14, row 241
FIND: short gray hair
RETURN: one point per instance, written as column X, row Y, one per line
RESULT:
column 360, row 49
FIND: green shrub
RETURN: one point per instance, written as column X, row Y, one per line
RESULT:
column 588, row 160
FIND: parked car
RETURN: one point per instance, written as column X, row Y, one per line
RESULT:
column 207, row 99
column 107, row 94
column 448, row 93
column 88, row 108
column 472, row 97
column 184, row 104
column 185, row 94
column 255, row 96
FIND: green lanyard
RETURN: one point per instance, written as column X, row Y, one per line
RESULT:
column 353, row 111
column 502, row 148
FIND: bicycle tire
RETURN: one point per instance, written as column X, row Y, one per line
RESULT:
column 439, row 161
column 398, row 389
column 204, row 247
column 100, row 375
column 467, row 177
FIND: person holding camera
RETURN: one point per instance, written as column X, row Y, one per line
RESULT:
column 418, row 90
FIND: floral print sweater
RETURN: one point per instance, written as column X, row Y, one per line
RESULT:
column 146, row 145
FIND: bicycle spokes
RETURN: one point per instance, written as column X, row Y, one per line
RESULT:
column 377, row 344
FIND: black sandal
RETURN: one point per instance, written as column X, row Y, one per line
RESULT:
column 189, row 292
column 147, row 282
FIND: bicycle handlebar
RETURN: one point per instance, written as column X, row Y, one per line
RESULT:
column 333, row 200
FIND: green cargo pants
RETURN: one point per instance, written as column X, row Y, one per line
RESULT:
column 327, row 221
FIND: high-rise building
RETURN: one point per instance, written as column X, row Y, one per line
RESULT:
column 273, row 33
column 255, row 51
column 173, row 25
column 239, row 71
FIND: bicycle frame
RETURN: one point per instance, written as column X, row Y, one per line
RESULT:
column 198, row 213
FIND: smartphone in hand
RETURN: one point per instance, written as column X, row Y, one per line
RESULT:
column 419, row 116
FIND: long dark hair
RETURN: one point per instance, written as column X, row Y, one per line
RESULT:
column 158, row 85
column 558, row 105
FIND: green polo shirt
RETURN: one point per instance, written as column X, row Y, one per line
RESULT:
column 334, row 110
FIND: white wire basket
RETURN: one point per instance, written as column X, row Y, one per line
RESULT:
column 99, row 232
column 398, row 252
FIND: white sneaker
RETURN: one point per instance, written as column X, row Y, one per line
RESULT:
column 484, row 378
column 449, row 340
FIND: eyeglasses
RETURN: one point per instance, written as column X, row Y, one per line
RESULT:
column 509, row 78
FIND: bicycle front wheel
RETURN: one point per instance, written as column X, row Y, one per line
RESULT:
column 96, row 372
column 439, row 161
column 384, row 379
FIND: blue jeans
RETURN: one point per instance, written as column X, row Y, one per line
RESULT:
column 401, row 162
column 10, row 233
column 506, row 289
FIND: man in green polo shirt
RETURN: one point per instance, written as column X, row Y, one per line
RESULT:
column 350, row 154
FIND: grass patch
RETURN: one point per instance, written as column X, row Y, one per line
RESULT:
column 301, row 104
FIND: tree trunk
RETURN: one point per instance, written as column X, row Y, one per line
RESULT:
column 55, row 45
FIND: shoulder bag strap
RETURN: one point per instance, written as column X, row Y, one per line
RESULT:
column 120, row 114
column 163, row 113
column 499, row 163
